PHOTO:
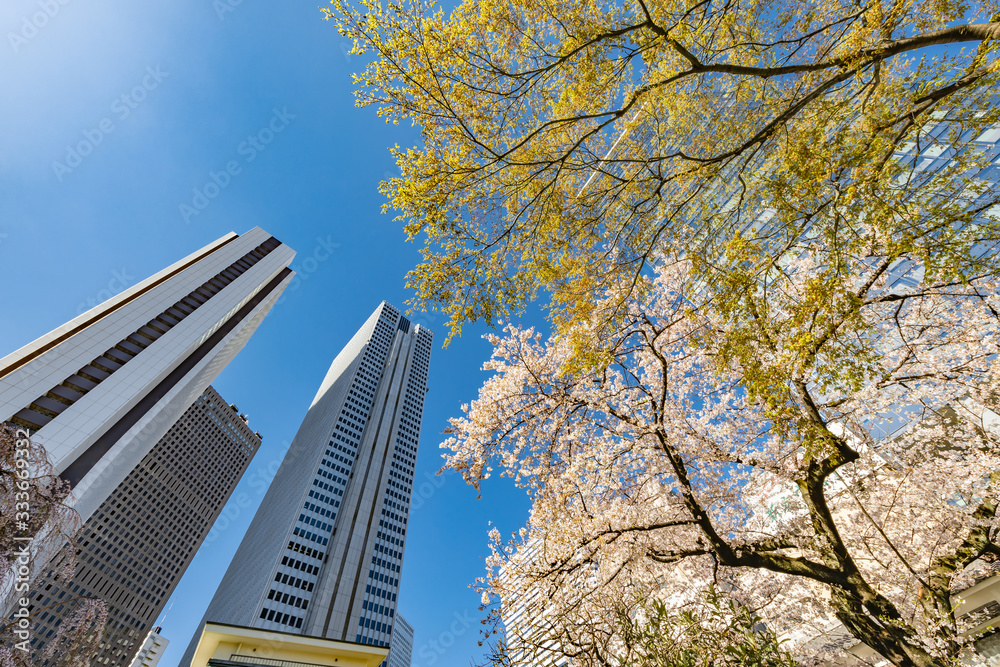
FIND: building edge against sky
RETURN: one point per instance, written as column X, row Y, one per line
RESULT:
column 99, row 391
column 322, row 556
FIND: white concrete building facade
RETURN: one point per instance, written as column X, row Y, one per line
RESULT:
column 101, row 390
column 152, row 650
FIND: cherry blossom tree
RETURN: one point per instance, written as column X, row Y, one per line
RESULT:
column 712, row 631
column 717, row 633
column 767, row 231
column 36, row 523
column 829, row 457
column 32, row 497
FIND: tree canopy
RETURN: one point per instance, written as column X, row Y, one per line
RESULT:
column 868, row 506
column 568, row 146
column 36, row 525
column 766, row 230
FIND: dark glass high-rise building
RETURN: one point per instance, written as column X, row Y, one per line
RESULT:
column 134, row 548
column 323, row 554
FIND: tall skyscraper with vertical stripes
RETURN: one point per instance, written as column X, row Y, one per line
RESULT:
column 323, row 554
column 101, row 390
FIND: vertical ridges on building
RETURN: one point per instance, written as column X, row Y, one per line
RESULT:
column 323, row 554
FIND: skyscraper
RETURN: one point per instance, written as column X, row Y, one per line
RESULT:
column 401, row 644
column 530, row 638
column 132, row 551
column 101, row 390
column 322, row 556
column 152, row 650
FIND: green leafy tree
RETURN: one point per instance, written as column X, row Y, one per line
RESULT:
column 718, row 632
column 717, row 198
column 568, row 146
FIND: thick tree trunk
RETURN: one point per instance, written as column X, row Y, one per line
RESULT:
column 893, row 641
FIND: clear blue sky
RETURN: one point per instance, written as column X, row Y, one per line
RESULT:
column 161, row 94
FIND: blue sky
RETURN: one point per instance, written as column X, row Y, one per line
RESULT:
column 115, row 115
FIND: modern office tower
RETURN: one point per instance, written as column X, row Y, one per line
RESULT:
column 322, row 556
column 531, row 640
column 101, row 390
column 401, row 644
column 133, row 550
column 152, row 650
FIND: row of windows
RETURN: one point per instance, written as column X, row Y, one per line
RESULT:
column 375, row 626
column 389, row 502
column 329, row 463
column 342, row 459
column 392, row 553
column 402, row 497
column 396, row 463
column 381, row 609
column 330, row 514
column 287, row 598
column 385, row 563
column 311, row 536
column 295, row 563
column 390, row 515
column 331, row 476
column 314, row 522
column 383, row 578
column 327, row 487
column 293, row 581
column 386, row 523
column 375, row 590
column 47, row 407
column 325, row 499
column 304, row 550
column 368, row 640
column 392, row 538
column 404, row 491
column 279, row 617
column 406, row 479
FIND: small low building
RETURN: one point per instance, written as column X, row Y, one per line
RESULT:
column 222, row 645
